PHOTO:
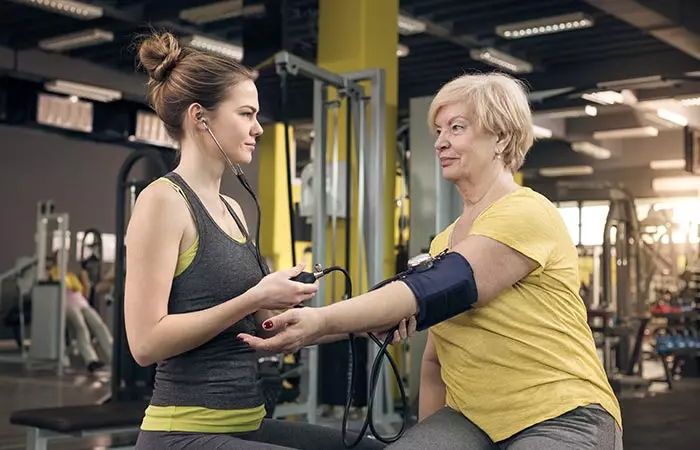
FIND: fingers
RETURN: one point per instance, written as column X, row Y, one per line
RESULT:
column 280, row 321
column 296, row 270
column 403, row 333
column 412, row 325
column 281, row 343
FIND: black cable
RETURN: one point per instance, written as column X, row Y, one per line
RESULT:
column 287, row 150
column 348, row 183
column 374, row 376
column 261, row 263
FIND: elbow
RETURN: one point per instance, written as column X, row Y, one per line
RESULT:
column 143, row 357
column 141, row 352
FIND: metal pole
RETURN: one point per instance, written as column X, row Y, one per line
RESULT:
column 359, row 110
column 318, row 229
column 62, row 262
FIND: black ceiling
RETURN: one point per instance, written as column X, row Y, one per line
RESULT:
column 573, row 62
column 611, row 50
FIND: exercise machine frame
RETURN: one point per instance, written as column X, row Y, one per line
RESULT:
column 371, row 163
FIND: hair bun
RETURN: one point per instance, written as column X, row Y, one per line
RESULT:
column 159, row 54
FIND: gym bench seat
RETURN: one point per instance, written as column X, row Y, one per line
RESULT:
column 48, row 424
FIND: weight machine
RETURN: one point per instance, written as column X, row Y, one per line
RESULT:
column 48, row 298
column 370, row 140
column 623, row 307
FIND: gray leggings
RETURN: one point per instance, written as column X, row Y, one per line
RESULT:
column 589, row 427
column 272, row 435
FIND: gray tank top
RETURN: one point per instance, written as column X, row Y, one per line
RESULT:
column 222, row 373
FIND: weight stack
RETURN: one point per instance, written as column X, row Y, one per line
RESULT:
column 333, row 373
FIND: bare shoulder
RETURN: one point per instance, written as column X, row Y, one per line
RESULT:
column 159, row 204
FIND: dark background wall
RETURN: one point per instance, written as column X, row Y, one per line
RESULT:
column 79, row 175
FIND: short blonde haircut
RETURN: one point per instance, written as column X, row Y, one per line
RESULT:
column 497, row 104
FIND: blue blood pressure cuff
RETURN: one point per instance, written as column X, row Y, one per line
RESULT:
column 444, row 290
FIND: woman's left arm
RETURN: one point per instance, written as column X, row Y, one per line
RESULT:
column 495, row 266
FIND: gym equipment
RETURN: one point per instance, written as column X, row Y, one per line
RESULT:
column 48, row 324
column 370, row 159
column 49, row 424
column 92, row 263
column 130, row 382
column 24, row 274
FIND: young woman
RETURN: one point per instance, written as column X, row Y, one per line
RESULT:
column 193, row 281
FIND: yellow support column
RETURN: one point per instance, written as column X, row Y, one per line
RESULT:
column 272, row 191
column 357, row 35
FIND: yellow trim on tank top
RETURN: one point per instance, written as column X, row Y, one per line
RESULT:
column 194, row 419
column 185, row 258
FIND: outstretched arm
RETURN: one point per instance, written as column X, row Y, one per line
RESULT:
column 495, row 267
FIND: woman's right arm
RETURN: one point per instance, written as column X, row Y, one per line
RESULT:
column 431, row 396
column 156, row 226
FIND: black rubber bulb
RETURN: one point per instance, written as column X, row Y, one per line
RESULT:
column 305, row 277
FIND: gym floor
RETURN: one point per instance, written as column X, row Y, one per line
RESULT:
column 665, row 420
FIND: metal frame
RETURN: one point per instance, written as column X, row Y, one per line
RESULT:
column 43, row 242
column 38, row 438
column 371, row 168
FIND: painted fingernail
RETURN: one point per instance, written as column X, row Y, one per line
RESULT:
column 267, row 325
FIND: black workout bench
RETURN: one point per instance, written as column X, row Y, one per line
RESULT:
column 48, row 424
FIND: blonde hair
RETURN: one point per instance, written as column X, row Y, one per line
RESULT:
column 498, row 105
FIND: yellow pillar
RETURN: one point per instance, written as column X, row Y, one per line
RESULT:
column 272, row 193
column 357, row 35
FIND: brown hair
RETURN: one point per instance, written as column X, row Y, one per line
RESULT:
column 180, row 76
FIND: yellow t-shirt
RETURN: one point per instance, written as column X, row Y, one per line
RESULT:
column 72, row 281
column 528, row 355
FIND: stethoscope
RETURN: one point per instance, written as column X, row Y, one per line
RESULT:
column 238, row 172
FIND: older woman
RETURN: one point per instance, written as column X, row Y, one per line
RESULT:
column 510, row 361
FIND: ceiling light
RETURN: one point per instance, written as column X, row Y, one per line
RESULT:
column 545, row 25
column 409, row 25
column 71, row 41
column 672, row 117
column 623, row 133
column 229, row 50
column 692, row 101
column 70, row 8
column 604, row 97
column 669, row 184
column 541, row 132
column 667, row 164
column 63, row 112
column 83, row 91
column 402, row 51
column 591, row 150
column 500, row 59
column 214, row 12
column 565, row 171
column 568, row 113
column 151, row 130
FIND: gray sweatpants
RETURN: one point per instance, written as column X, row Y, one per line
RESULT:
column 589, row 427
column 272, row 435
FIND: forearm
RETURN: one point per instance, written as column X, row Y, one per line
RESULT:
column 376, row 310
column 432, row 390
column 175, row 334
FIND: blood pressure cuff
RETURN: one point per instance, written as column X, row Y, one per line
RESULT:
column 443, row 291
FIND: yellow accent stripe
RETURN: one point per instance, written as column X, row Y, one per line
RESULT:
column 196, row 419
